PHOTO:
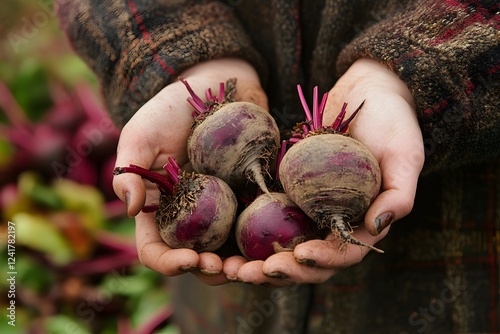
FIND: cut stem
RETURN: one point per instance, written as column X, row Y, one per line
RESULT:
column 314, row 122
column 194, row 100
column 165, row 183
column 345, row 124
column 304, row 104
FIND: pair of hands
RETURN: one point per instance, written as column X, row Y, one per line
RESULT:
column 387, row 126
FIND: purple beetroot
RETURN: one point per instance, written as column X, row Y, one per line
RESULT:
column 195, row 211
column 235, row 141
column 270, row 224
column 332, row 177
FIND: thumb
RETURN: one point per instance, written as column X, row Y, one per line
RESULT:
column 400, row 168
column 132, row 148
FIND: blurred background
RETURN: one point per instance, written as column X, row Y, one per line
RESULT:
column 67, row 254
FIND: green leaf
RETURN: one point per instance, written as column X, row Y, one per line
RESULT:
column 140, row 282
column 169, row 329
column 6, row 152
column 71, row 70
column 21, row 320
column 30, row 88
column 63, row 324
column 37, row 232
column 148, row 304
column 83, row 199
column 123, row 226
column 31, row 186
column 31, row 274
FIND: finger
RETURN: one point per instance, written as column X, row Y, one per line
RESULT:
column 156, row 255
column 232, row 265
column 210, row 269
column 212, row 280
column 210, row 264
column 251, row 273
column 332, row 253
column 284, row 265
column 401, row 166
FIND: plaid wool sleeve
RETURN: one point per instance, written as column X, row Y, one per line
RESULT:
column 448, row 54
column 136, row 47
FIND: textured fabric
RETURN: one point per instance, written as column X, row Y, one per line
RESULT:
column 137, row 47
column 441, row 269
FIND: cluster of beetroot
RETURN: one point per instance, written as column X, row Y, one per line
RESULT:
column 327, row 180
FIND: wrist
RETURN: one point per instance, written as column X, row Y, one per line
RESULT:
column 221, row 69
column 371, row 75
column 370, row 81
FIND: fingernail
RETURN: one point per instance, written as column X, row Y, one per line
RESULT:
column 209, row 272
column 232, row 279
column 382, row 221
column 307, row 262
column 186, row 269
column 277, row 274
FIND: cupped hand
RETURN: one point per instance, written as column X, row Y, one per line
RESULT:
column 388, row 127
column 159, row 130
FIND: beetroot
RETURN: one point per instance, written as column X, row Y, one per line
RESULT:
column 332, row 177
column 234, row 141
column 270, row 224
column 195, row 211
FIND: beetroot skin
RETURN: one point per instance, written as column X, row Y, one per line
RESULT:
column 234, row 141
column 199, row 215
column 332, row 177
column 270, row 224
column 195, row 211
column 339, row 187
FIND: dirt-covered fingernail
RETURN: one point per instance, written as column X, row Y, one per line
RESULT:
column 209, row 272
column 382, row 221
column 187, row 269
column 307, row 262
column 277, row 274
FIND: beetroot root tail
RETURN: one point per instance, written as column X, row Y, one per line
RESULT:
column 339, row 228
column 256, row 173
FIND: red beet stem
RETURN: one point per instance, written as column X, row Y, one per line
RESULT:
column 172, row 171
column 304, row 104
column 322, row 108
column 174, row 164
column 345, row 124
column 339, row 118
column 314, row 122
column 208, row 94
column 199, row 105
column 164, row 183
column 221, row 92
column 194, row 99
column 198, row 109
column 150, row 208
